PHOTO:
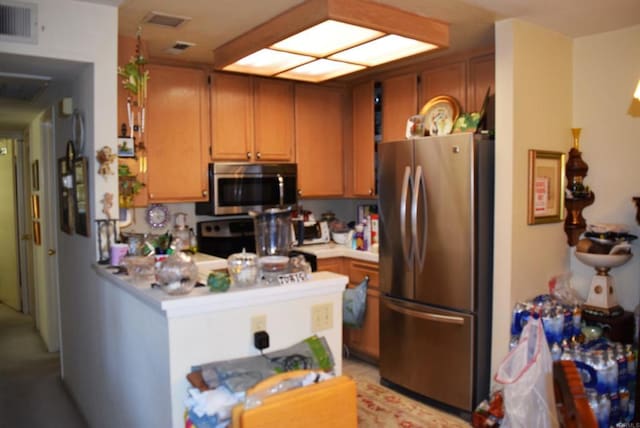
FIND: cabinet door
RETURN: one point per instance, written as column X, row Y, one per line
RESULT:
column 232, row 117
column 365, row 341
column 399, row 102
column 273, row 120
column 447, row 80
column 319, row 140
column 363, row 158
column 481, row 77
column 177, row 134
column 334, row 264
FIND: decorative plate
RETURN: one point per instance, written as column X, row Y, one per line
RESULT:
column 440, row 114
column 157, row 216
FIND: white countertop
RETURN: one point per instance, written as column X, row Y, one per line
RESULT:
column 325, row 251
column 201, row 300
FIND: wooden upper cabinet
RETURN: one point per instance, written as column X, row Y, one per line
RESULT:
column 319, row 140
column 252, row 119
column 399, row 102
column 177, row 134
column 446, row 80
column 232, row 117
column 481, row 77
column 273, row 120
column 363, row 157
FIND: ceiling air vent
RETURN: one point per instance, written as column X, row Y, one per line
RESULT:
column 18, row 22
column 165, row 19
column 179, row 47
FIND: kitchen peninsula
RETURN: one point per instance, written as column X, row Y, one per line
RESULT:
column 154, row 339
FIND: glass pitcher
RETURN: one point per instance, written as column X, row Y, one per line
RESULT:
column 272, row 230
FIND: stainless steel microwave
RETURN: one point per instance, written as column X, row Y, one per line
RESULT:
column 240, row 187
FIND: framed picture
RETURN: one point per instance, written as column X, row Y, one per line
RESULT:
column 65, row 186
column 546, row 187
column 81, row 196
column 35, row 175
column 37, row 238
column 126, row 148
column 35, row 207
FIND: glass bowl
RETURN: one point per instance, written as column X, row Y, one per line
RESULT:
column 177, row 274
column 140, row 267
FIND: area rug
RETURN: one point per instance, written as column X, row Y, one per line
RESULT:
column 381, row 407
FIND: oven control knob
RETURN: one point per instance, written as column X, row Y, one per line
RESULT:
column 207, row 228
column 216, row 228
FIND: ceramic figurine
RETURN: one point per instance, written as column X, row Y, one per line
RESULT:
column 105, row 156
column 107, row 203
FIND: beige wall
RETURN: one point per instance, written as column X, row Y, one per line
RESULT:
column 606, row 71
column 533, row 111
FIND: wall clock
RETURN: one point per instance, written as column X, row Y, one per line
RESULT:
column 157, row 216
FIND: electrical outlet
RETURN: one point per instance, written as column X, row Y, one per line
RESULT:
column 321, row 317
column 258, row 323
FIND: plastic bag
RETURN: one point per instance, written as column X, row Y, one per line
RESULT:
column 560, row 288
column 354, row 304
column 527, row 376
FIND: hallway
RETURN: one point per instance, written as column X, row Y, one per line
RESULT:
column 31, row 391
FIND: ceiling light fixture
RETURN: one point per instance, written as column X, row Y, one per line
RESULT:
column 324, row 39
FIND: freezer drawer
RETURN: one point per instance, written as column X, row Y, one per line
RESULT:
column 428, row 351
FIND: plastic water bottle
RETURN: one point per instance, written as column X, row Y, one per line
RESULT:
column 604, row 406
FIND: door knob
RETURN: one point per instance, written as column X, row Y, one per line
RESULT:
column 248, row 155
column 258, row 155
column 205, row 193
column 51, row 252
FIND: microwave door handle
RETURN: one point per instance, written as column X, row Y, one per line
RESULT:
column 281, row 190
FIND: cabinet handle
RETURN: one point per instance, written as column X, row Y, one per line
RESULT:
column 299, row 192
column 248, row 155
column 370, row 191
column 258, row 155
column 51, row 252
column 150, row 195
column 205, row 193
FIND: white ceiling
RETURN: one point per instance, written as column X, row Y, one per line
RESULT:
column 215, row 22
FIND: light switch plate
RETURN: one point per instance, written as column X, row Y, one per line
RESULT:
column 321, row 317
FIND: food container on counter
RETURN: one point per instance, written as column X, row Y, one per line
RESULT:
column 243, row 268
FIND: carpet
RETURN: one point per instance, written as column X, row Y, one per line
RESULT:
column 381, row 407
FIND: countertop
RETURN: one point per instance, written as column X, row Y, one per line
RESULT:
column 326, row 251
column 201, row 300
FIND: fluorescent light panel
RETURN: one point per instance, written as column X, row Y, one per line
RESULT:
column 320, row 70
column 385, row 49
column 268, row 62
column 326, row 38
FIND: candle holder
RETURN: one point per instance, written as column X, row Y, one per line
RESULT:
column 577, row 195
column 107, row 233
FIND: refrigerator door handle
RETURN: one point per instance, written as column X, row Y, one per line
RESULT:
column 419, row 190
column 406, row 181
column 448, row 319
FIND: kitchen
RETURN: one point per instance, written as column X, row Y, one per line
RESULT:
column 515, row 275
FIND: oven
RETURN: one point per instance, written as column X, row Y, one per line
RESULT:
column 239, row 187
column 223, row 237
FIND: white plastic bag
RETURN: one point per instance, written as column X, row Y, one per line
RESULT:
column 526, row 374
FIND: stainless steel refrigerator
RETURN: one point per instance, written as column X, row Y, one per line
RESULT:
column 436, row 242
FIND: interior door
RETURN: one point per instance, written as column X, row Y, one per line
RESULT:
column 395, row 186
column 9, row 273
column 445, row 277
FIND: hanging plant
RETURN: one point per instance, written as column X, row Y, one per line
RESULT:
column 135, row 76
column 128, row 186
